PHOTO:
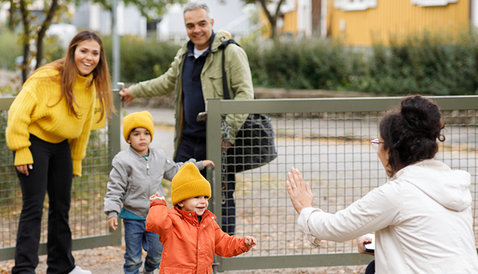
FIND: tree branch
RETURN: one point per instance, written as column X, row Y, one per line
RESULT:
column 26, row 39
column 44, row 27
column 267, row 12
column 278, row 8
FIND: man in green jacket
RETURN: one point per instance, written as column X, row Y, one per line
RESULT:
column 195, row 75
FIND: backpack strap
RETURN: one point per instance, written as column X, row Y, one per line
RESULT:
column 223, row 46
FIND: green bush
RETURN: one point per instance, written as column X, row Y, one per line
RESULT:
column 430, row 63
column 53, row 49
column 302, row 64
column 9, row 49
column 426, row 63
column 141, row 59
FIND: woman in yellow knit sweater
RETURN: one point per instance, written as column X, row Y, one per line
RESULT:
column 48, row 129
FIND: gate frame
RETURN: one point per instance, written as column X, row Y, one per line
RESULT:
column 217, row 107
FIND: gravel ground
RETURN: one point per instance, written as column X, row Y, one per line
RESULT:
column 109, row 260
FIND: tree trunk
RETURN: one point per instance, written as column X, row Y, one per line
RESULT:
column 273, row 29
column 272, row 19
column 42, row 32
column 11, row 19
column 26, row 40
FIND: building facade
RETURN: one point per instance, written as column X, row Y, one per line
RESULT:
column 363, row 22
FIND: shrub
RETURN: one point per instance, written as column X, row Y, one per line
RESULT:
column 141, row 59
column 9, row 49
column 301, row 64
column 429, row 63
column 426, row 63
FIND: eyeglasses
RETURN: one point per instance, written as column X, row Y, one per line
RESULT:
column 375, row 143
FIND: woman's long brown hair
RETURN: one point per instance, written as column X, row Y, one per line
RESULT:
column 68, row 72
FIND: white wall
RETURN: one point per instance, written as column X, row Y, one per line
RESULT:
column 304, row 17
column 474, row 13
column 91, row 16
column 229, row 15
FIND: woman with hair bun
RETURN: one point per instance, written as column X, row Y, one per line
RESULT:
column 48, row 129
column 422, row 217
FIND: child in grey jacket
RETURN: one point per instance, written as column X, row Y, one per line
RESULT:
column 136, row 175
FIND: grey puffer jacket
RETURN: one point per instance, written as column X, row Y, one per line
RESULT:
column 133, row 179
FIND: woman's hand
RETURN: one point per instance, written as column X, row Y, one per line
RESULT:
column 299, row 192
column 361, row 241
column 23, row 169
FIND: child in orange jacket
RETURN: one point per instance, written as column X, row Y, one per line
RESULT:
column 189, row 232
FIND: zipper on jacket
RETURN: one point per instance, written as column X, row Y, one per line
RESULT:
column 147, row 166
column 147, row 173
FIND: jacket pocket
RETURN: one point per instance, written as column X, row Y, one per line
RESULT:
column 216, row 82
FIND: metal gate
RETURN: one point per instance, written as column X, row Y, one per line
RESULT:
column 328, row 140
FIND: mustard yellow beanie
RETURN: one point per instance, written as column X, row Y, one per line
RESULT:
column 189, row 183
column 137, row 119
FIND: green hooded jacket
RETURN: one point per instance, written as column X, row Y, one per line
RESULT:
column 238, row 75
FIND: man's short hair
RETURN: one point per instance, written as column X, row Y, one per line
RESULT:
column 194, row 5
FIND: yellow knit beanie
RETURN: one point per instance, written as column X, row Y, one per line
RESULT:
column 189, row 183
column 138, row 119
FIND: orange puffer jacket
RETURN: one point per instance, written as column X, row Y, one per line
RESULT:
column 189, row 247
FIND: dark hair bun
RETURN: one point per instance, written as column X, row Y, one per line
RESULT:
column 422, row 116
column 411, row 132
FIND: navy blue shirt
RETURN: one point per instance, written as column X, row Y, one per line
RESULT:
column 193, row 100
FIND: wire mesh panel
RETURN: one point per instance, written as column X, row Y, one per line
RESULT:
column 460, row 149
column 87, row 220
column 88, row 191
column 10, row 193
column 332, row 149
column 86, row 213
column 333, row 152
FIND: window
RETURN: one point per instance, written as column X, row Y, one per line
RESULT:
column 429, row 3
column 349, row 5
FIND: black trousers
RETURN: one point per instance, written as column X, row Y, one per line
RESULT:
column 196, row 148
column 52, row 173
column 370, row 268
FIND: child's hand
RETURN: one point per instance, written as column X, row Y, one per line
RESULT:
column 250, row 241
column 156, row 196
column 208, row 162
column 113, row 223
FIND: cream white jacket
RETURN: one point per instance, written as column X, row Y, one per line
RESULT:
column 422, row 221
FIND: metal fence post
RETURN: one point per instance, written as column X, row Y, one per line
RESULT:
column 114, row 137
column 213, row 133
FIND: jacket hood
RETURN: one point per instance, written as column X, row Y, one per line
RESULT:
column 450, row 188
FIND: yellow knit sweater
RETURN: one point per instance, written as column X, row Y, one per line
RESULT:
column 34, row 112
